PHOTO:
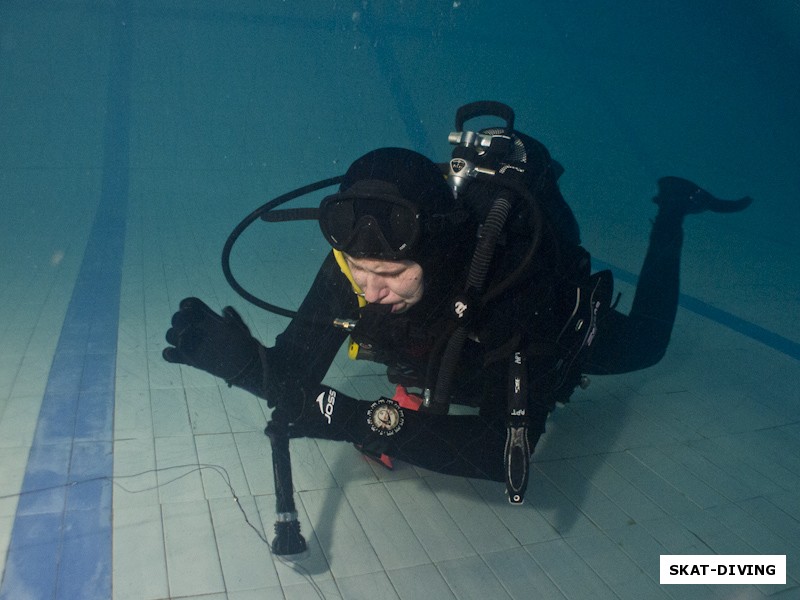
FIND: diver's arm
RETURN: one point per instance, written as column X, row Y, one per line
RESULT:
column 223, row 346
column 303, row 353
column 308, row 345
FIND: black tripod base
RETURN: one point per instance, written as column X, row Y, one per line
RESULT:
column 288, row 539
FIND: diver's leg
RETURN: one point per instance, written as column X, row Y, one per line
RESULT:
column 640, row 339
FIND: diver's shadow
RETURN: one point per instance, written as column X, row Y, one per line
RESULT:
column 586, row 430
column 324, row 510
column 557, row 490
column 579, row 437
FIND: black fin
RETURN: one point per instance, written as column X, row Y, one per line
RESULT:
column 689, row 198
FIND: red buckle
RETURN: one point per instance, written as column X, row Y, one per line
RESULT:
column 406, row 400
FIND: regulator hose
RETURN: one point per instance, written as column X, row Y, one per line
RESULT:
column 262, row 213
column 439, row 402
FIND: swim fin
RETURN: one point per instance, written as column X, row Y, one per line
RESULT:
column 685, row 197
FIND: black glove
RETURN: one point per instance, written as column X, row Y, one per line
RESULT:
column 220, row 345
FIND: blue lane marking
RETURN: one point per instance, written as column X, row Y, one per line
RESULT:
column 61, row 539
column 769, row 338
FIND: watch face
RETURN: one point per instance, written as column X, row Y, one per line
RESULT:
column 385, row 417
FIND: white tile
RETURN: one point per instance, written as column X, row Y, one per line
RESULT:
column 6, row 526
column 634, row 429
column 246, row 559
column 245, row 411
column 193, row 564
column 592, row 501
column 772, row 517
column 309, row 469
column 434, row 527
column 259, row 594
column 639, row 546
column 678, row 413
column 19, row 419
column 788, row 503
column 760, row 537
column 311, row 590
column 607, row 559
column 255, row 454
column 629, row 499
column 563, row 515
column 729, row 485
column 206, row 411
column 521, row 575
column 650, row 483
column 9, row 365
column 190, row 376
column 139, row 571
column 132, row 373
column 179, row 477
column 473, row 516
column 136, row 480
column 640, row 585
column 160, row 373
column 339, row 533
column 525, row 522
column 305, row 570
column 133, row 416
column 745, row 414
column 170, row 413
column 471, row 578
column 222, row 466
column 670, row 533
column 347, row 465
column 30, row 380
column 389, row 534
column 373, row 586
column 16, row 341
column 573, row 577
column 682, row 479
column 424, row 581
column 731, row 454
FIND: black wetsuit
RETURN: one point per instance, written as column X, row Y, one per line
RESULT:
column 534, row 311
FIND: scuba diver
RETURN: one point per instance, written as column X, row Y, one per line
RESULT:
column 472, row 288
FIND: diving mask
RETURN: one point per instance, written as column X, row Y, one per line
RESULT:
column 371, row 220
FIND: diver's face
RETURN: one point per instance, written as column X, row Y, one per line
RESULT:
column 394, row 282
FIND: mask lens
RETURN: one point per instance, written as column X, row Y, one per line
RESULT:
column 392, row 223
column 338, row 222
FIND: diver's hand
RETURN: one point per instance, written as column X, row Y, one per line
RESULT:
column 218, row 344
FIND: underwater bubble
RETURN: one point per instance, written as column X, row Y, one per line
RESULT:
column 56, row 258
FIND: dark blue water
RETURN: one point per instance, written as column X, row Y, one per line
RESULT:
column 135, row 135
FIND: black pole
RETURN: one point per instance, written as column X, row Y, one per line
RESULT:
column 288, row 539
